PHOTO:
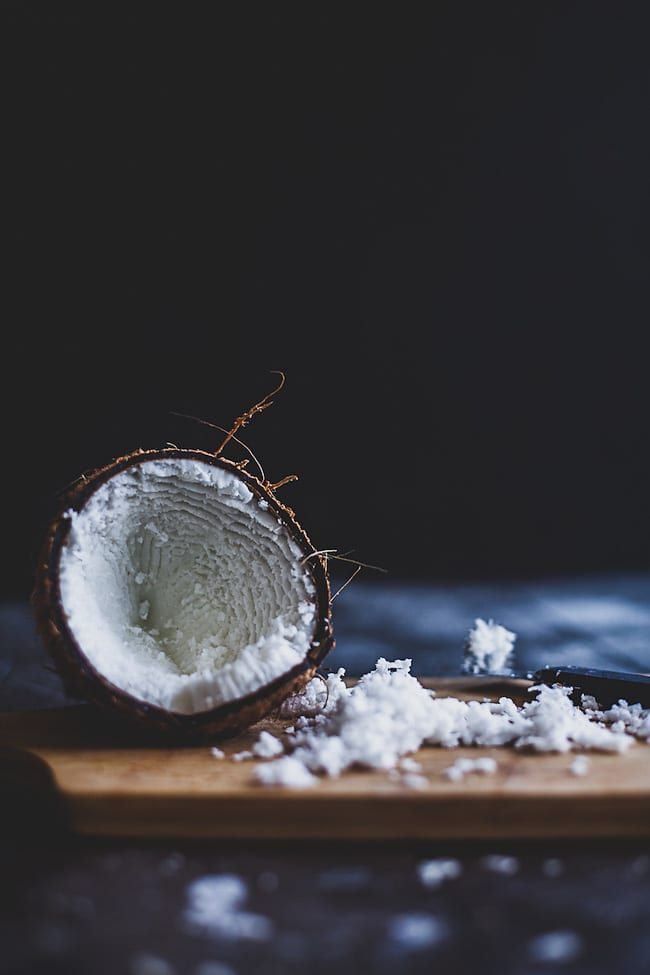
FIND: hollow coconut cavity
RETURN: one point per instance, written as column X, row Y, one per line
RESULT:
column 176, row 587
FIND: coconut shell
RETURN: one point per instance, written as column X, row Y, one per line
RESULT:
column 82, row 680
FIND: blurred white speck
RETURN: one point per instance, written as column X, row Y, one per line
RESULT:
column 215, row 907
column 433, row 873
column 556, row 947
column 497, row 863
column 415, row 931
column 552, row 867
column 214, row 968
column 144, row 964
column 171, row 864
column 417, row 782
column 467, row 766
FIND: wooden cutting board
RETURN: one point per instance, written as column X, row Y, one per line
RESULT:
column 108, row 785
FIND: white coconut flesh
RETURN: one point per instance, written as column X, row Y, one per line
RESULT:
column 182, row 588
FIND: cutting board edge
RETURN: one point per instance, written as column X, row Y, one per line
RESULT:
column 298, row 818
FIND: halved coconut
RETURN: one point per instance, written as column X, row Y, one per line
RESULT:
column 175, row 587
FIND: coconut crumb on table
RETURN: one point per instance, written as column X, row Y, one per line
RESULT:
column 413, row 781
column 580, row 765
column 467, row 766
column 242, row 756
column 267, row 746
column 287, row 772
column 632, row 717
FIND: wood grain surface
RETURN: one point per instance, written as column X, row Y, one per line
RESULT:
column 111, row 785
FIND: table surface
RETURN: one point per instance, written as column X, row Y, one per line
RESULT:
column 71, row 906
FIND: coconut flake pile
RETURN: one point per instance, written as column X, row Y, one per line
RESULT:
column 389, row 714
column 488, row 649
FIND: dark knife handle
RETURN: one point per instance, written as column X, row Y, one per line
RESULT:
column 607, row 686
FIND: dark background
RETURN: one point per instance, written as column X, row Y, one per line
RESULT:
column 435, row 221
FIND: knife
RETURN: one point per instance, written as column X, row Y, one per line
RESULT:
column 607, row 686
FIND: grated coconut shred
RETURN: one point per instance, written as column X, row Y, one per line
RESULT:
column 388, row 715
